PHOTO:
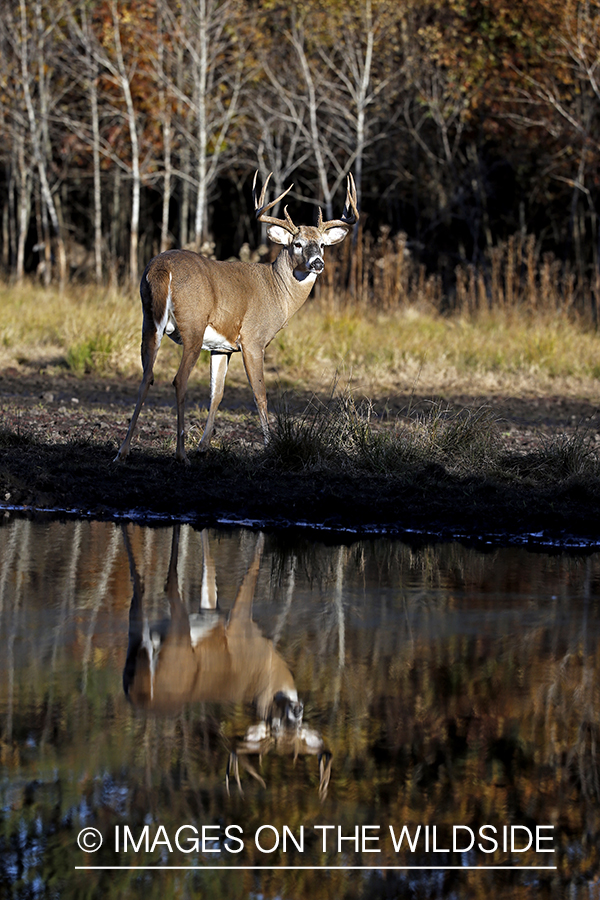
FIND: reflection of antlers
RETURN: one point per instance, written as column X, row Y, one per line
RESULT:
column 298, row 744
column 325, row 759
column 233, row 763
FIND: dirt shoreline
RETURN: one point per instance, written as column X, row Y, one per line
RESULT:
column 59, row 436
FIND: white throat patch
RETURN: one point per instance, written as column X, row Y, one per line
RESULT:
column 305, row 276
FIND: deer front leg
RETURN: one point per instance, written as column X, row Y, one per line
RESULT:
column 219, row 363
column 180, row 620
column 208, row 592
column 254, row 363
column 241, row 612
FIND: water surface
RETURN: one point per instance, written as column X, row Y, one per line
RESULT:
column 268, row 713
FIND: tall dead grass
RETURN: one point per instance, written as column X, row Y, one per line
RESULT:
column 514, row 275
column 519, row 322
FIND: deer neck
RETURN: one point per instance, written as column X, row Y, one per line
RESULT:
column 293, row 286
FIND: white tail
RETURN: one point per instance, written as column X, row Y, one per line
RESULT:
column 230, row 307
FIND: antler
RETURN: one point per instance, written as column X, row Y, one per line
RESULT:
column 350, row 214
column 260, row 208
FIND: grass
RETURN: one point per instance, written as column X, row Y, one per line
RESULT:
column 385, row 349
column 83, row 330
column 95, row 354
column 89, row 331
column 335, row 462
column 331, row 457
column 339, row 435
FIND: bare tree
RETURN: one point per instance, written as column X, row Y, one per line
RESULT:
column 122, row 73
column 108, row 57
column 210, row 99
column 86, row 69
column 30, row 34
column 166, row 119
column 358, row 73
column 15, row 150
column 561, row 96
column 320, row 99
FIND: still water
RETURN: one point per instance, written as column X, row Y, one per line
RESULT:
column 244, row 715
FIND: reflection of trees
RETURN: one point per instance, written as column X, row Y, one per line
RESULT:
column 451, row 686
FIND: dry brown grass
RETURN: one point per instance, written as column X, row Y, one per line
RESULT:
column 514, row 274
column 388, row 337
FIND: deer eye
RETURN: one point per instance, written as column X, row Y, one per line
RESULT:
column 297, row 245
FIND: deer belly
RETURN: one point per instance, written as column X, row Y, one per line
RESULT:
column 212, row 340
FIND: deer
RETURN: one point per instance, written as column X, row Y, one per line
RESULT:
column 231, row 307
column 204, row 657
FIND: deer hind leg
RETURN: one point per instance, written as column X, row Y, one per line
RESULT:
column 136, row 616
column 254, row 364
column 219, row 363
column 151, row 339
column 189, row 359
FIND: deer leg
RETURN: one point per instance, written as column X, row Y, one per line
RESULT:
column 189, row 359
column 254, row 364
column 180, row 620
column 150, row 345
column 242, row 608
column 219, row 363
column 136, row 617
column 172, row 584
column 208, row 593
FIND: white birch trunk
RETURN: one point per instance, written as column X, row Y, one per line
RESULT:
column 135, row 153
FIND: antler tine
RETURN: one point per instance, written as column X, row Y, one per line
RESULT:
column 325, row 760
column 260, row 207
column 232, row 762
column 350, row 215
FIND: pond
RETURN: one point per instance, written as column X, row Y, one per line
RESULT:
column 187, row 713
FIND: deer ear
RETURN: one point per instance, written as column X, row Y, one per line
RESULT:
column 279, row 235
column 335, row 235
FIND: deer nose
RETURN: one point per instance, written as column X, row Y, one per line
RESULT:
column 316, row 264
column 297, row 709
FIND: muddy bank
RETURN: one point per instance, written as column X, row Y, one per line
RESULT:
column 58, row 440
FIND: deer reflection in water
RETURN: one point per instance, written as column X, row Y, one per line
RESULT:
column 189, row 658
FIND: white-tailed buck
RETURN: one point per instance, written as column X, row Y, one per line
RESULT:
column 204, row 657
column 230, row 307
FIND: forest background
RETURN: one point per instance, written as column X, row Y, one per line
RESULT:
column 471, row 128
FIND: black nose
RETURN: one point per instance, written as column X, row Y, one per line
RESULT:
column 297, row 710
column 317, row 265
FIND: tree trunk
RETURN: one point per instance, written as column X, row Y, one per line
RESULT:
column 97, row 173
column 35, row 131
column 24, row 206
column 201, row 112
column 135, row 153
